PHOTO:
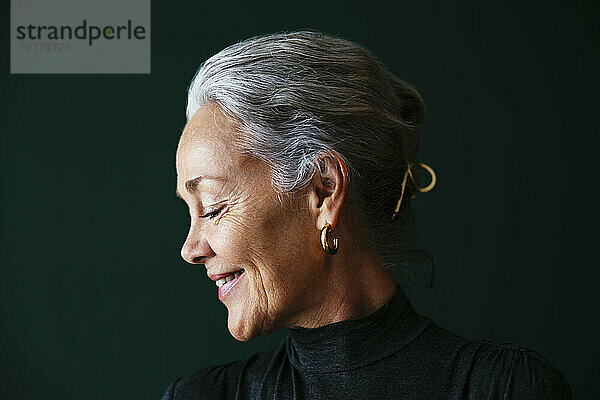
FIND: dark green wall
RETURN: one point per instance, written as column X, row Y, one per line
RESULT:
column 95, row 300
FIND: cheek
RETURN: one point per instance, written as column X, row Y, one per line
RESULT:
column 279, row 251
column 283, row 252
column 232, row 239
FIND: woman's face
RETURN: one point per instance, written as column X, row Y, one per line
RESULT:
column 238, row 223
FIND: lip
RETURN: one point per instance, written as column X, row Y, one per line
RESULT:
column 226, row 288
column 216, row 277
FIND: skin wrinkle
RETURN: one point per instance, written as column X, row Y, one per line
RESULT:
column 288, row 281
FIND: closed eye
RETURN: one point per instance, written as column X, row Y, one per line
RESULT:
column 213, row 214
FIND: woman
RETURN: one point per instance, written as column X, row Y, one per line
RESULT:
column 297, row 164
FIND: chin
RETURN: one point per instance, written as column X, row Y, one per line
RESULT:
column 241, row 332
column 244, row 329
column 240, row 328
column 241, row 337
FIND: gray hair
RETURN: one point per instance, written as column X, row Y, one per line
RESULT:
column 300, row 95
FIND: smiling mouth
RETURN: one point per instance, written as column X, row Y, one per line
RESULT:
column 228, row 278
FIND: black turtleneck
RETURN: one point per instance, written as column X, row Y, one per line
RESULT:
column 390, row 353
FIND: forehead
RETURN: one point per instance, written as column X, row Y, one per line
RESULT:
column 207, row 145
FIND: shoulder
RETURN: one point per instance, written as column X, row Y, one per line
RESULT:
column 477, row 368
column 506, row 370
column 217, row 381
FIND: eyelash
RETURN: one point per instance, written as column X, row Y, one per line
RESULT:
column 213, row 214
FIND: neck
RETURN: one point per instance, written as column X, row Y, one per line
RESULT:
column 352, row 287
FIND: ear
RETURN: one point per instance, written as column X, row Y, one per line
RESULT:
column 328, row 189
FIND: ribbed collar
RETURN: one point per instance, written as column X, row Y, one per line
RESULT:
column 353, row 343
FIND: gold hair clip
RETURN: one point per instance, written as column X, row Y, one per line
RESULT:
column 412, row 178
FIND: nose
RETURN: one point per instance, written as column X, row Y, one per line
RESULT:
column 196, row 248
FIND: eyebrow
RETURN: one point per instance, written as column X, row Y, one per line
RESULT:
column 192, row 185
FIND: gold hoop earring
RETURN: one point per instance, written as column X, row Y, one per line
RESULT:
column 325, row 241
